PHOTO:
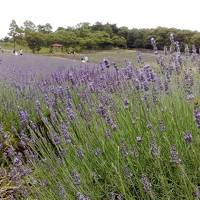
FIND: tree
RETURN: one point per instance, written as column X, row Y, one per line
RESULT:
column 98, row 26
column 131, row 38
column 196, row 40
column 29, row 26
column 35, row 41
column 89, row 42
column 14, row 31
column 119, row 41
column 103, row 40
column 83, row 25
column 61, row 29
column 123, row 31
column 47, row 28
column 6, row 39
column 98, row 36
column 114, row 28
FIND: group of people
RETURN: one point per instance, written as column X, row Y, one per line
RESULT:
column 105, row 62
column 14, row 52
column 18, row 53
column 84, row 59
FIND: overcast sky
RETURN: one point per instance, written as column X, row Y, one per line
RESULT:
column 182, row 14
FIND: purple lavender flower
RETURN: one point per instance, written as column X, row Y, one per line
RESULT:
column 134, row 152
column 10, row 152
column 190, row 97
column 127, row 172
column 71, row 114
column 76, row 178
column 139, row 57
column 80, row 153
column 91, row 86
column 60, row 91
column 66, row 135
column 56, row 139
column 15, row 175
column 44, row 183
column 146, row 183
column 162, row 126
column 155, row 150
column 80, row 196
column 197, row 192
column 197, row 117
column 155, row 99
column 1, row 128
column 113, row 126
column 108, row 134
column 188, row 137
column 123, row 148
column 30, row 156
column 116, row 196
column 71, row 78
column 126, row 103
column 61, row 189
column 110, row 122
column 1, row 146
column 102, row 111
column 166, row 86
column 98, row 152
column 146, row 86
column 5, row 136
column 174, row 155
column 23, row 117
column 38, row 106
column 17, row 161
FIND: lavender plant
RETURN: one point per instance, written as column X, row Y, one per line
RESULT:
column 102, row 132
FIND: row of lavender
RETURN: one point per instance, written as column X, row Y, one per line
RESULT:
column 107, row 132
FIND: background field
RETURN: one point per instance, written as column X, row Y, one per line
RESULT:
column 119, row 56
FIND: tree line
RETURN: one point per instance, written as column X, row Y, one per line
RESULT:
column 85, row 36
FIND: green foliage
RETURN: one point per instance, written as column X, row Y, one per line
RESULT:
column 47, row 28
column 14, row 32
column 29, row 26
column 196, row 39
column 13, row 29
column 35, row 41
column 85, row 36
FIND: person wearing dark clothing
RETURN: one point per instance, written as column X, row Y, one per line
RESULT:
column 20, row 52
column 106, row 63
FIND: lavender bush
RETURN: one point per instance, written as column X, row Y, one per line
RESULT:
column 96, row 132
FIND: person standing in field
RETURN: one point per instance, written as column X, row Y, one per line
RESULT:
column 82, row 60
column 21, row 52
column 86, row 59
column 106, row 63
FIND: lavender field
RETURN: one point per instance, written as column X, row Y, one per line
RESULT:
column 72, row 130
